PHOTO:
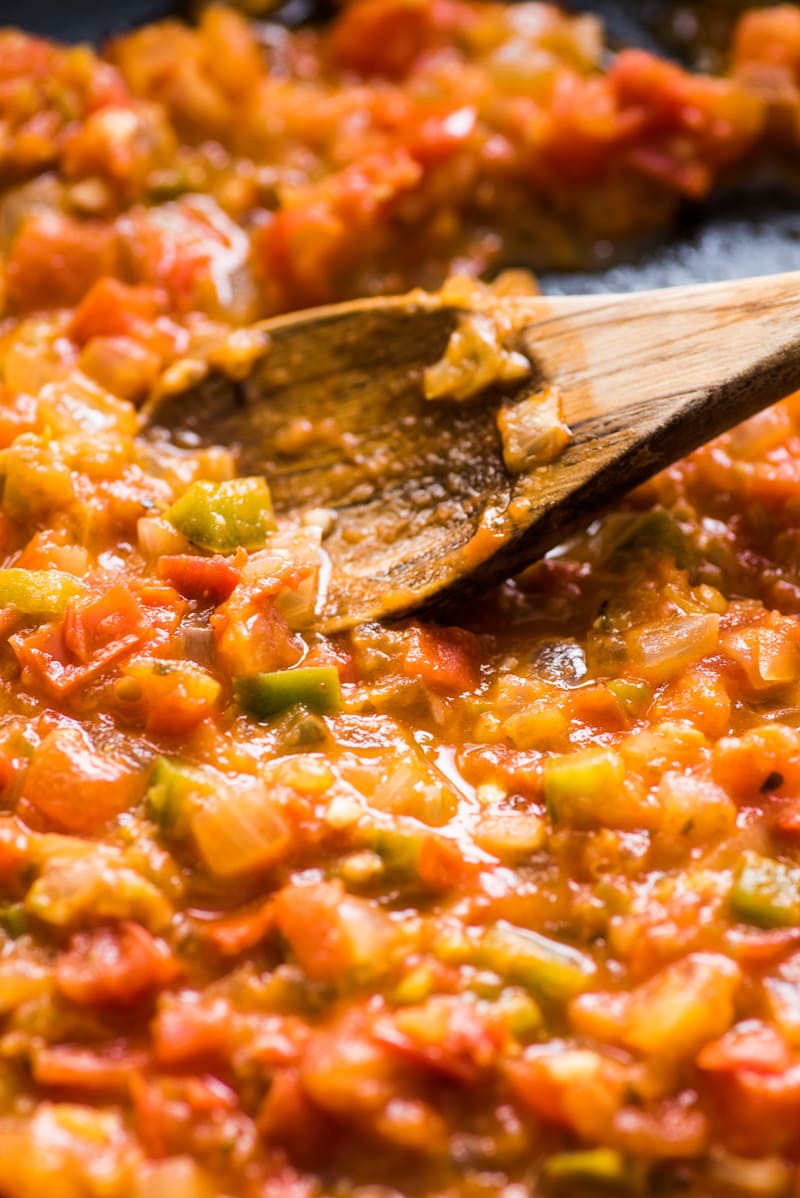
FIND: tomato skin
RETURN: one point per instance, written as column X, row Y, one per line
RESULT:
column 332, row 934
column 172, row 697
column 757, row 1112
column 210, row 578
column 14, row 854
column 252, row 635
column 234, row 934
column 87, row 1071
column 447, row 1037
column 115, row 966
column 387, row 37
column 444, row 658
column 290, row 1118
column 71, row 786
column 750, row 1045
column 112, row 309
column 184, row 1032
column 54, row 260
column 95, row 633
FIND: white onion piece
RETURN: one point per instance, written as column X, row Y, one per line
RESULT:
column 156, row 536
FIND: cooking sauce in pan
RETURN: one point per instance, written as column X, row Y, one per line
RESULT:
column 504, row 907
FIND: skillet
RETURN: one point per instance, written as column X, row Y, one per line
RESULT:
column 746, row 232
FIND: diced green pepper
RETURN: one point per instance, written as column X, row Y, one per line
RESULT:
column 520, row 1013
column 13, row 919
column 225, row 516
column 576, row 784
column 657, row 532
column 544, row 966
column 633, row 697
column 766, row 893
column 400, row 847
column 38, row 592
column 174, row 794
column 265, row 695
column 415, row 987
column 599, row 1166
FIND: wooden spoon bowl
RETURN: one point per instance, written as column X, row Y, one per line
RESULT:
column 423, row 506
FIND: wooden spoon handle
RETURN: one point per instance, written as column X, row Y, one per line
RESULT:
column 717, row 352
column 647, row 377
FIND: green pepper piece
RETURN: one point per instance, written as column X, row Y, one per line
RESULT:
column 655, row 532
column 766, row 893
column 544, row 966
column 225, row 516
column 519, row 1012
column 598, row 1166
column 13, row 919
column 174, row 794
column 400, row 846
column 576, row 784
column 264, row 695
column 632, row 696
column 38, row 592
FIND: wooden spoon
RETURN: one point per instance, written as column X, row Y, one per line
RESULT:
column 334, row 415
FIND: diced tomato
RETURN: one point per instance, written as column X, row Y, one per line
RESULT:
column 115, row 966
column 111, row 619
column 252, row 635
column 209, row 578
column 14, row 851
column 168, row 1110
column 54, row 260
column 289, row 1117
column 757, row 1111
column 93, row 634
column 442, row 864
column 766, row 755
column 161, row 609
column 444, row 658
column 333, row 653
column 699, row 695
column 53, row 549
column 570, row 1087
column 769, row 38
column 111, row 309
column 334, row 934
column 185, row 1031
column 234, row 934
column 172, row 697
column 387, row 37
column 749, row 1045
column 299, row 252
column 597, row 706
column 760, row 945
column 74, row 787
column 446, row 1034
column 675, row 1129
column 70, row 1067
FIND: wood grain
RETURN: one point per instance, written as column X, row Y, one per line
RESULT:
column 423, row 503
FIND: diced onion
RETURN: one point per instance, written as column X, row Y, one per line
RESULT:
column 666, row 648
column 761, row 1175
column 532, row 431
column 178, row 1177
column 157, row 536
column 241, row 831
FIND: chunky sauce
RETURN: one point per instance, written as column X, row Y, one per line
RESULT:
column 499, row 908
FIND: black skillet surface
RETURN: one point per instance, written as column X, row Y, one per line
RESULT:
column 753, row 232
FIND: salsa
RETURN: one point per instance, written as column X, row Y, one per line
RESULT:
column 501, row 907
